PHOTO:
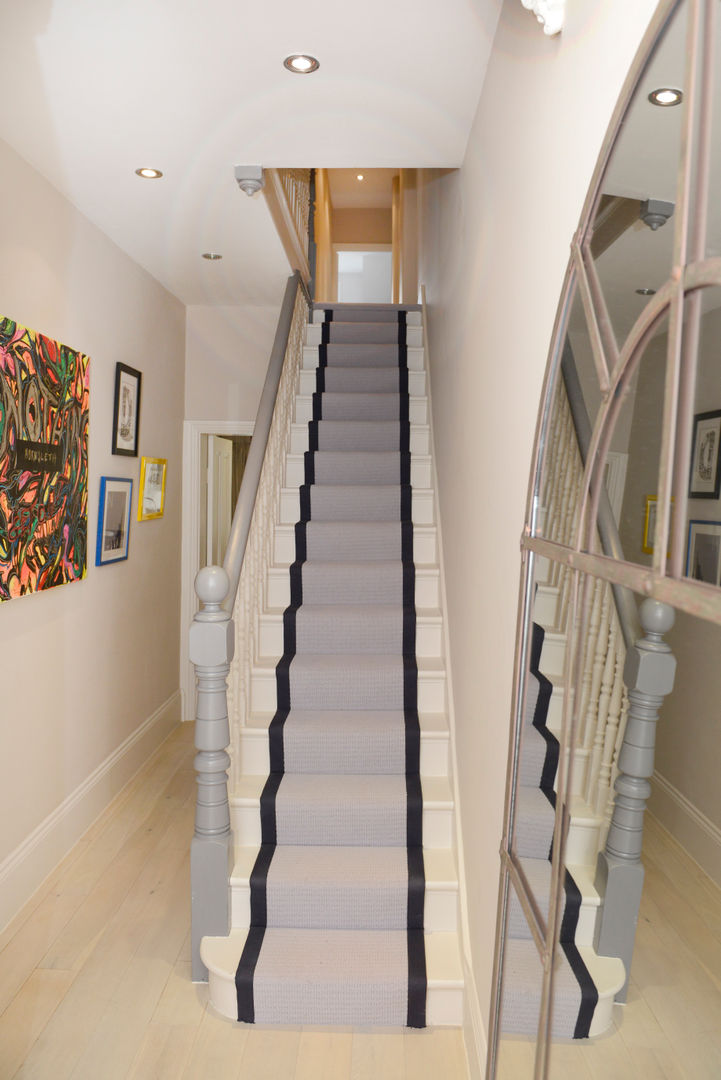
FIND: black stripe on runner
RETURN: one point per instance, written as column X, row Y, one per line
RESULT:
column 289, row 630
column 405, row 467
column 325, row 333
column 403, row 380
column 296, row 583
column 301, row 541
column 304, row 492
column 414, row 819
column 404, row 441
column 540, row 714
column 282, row 681
column 258, row 883
column 406, row 502
column 406, row 540
column 309, row 467
column 589, row 993
column 319, row 379
column 275, row 741
column 329, row 314
column 317, row 406
column 403, row 356
column 402, row 323
column 416, row 888
column 267, row 808
column 413, row 741
column 417, row 980
column 410, row 684
column 403, row 410
column 312, row 435
column 245, row 972
column 323, row 355
column 409, row 628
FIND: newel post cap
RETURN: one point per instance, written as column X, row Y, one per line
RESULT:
column 211, row 586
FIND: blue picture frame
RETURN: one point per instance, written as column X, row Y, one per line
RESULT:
column 113, row 541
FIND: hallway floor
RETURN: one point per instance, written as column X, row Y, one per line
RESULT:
column 95, row 970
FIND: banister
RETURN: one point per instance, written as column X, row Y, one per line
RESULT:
column 606, row 522
column 243, row 513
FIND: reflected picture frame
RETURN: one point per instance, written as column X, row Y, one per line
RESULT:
column 126, row 410
column 113, row 539
column 151, row 496
column 649, row 525
column 703, row 552
column 705, row 479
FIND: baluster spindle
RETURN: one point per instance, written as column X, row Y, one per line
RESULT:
column 211, row 849
column 649, row 674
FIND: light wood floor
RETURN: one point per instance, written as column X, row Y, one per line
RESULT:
column 95, row 971
column 670, row 1029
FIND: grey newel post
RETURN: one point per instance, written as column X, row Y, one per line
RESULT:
column 648, row 674
column 211, row 850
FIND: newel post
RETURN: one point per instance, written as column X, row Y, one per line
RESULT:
column 649, row 674
column 211, row 850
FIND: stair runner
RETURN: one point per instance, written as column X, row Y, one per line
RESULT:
column 575, row 994
column 337, row 890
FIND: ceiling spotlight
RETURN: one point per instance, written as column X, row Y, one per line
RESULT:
column 665, row 96
column 301, row 63
column 359, row 176
column 646, row 292
column 211, row 256
column 149, row 174
column 249, row 178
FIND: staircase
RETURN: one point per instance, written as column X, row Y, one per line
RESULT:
column 344, row 888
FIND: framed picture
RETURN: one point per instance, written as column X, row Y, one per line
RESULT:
column 151, row 500
column 126, row 410
column 705, row 481
column 649, row 524
column 703, row 561
column 113, row 520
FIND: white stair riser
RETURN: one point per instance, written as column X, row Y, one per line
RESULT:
column 314, row 333
column 582, row 841
column 440, row 912
column 420, row 471
column 416, row 383
column 255, row 757
column 421, row 506
column 429, row 637
column 419, row 443
column 545, row 606
column 413, row 318
column 424, row 545
column 431, row 691
column 553, row 654
column 417, row 410
column 444, row 1004
column 414, row 355
column 245, row 822
column 277, row 595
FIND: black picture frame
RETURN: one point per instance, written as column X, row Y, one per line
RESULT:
column 705, row 478
column 126, row 410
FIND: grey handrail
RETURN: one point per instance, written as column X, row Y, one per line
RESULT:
column 606, row 522
column 240, row 527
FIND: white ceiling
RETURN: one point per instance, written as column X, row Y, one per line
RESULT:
column 90, row 90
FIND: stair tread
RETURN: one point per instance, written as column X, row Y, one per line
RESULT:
column 436, row 790
column 439, row 863
column 433, row 725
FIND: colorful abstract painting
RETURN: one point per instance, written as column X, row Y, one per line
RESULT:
column 44, row 409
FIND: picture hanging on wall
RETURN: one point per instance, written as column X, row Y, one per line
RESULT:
column 44, row 411
column 151, row 500
column 703, row 559
column 126, row 410
column 705, row 480
column 113, row 520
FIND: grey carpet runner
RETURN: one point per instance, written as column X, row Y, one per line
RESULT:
column 337, row 890
column 575, row 994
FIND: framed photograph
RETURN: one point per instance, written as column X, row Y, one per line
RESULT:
column 151, row 500
column 703, row 561
column 113, row 520
column 705, row 481
column 126, row 410
column 649, row 524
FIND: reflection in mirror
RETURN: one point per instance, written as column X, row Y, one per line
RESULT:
column 633, row 232
column 702, row 531
column 713, row 232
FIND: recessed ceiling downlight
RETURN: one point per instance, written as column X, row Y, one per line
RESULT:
column 301, row 63
column 149, row 174
column 359, row 176
column 211, row 256
column 646, row 292
column 666, row 96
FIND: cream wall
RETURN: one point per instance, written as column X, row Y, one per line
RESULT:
column 226, row 358
column 362, row 226
column 90, row 669
column 494, row 242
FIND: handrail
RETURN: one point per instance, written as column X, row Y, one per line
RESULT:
column 606, row 522
column 245, row 505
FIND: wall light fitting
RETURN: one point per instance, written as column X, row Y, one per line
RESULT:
column 149, row 174
column 665, row 96
column 301, row 63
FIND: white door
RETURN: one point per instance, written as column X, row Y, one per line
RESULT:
column 220, row 485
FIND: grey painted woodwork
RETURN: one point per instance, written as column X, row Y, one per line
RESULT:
column 649, row 675
column 212, row 637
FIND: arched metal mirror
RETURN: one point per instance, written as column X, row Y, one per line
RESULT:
column 620, row 610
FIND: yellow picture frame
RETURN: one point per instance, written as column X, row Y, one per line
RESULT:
column 649, row 524
column 151, row 495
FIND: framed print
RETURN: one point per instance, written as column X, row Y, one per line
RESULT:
column 126, row 410
column 151, row 500
column 703, row 561
column 705, row 481
column 649, row 524
column 113, row 520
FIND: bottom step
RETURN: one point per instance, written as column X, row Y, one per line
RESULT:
column 444, row 1003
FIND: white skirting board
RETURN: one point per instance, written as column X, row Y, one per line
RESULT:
column 25, row 868
column 697, row 834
